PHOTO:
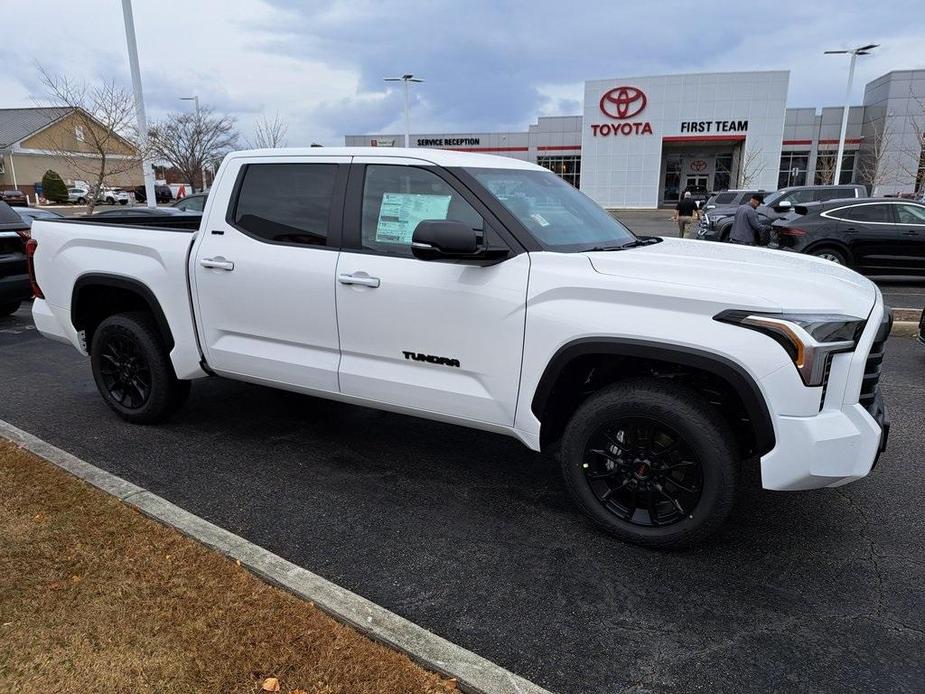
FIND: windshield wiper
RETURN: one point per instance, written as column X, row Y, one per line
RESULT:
column 641, row 241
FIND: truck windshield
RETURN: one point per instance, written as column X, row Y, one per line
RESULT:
column 555, row 213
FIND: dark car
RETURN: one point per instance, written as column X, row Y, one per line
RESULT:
column 191, row 203
column 875, row 236
column 161, row 194
column 14, row 198
column 28, row 214
column 730, row 198
column 717, row 223
column 15, row 286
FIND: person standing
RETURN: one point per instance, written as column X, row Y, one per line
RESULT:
column 746, row 227
column 684, row 213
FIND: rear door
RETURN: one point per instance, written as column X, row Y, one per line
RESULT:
column 439, row 336
column 869, row 231
column 264, row 270
column 910, row 220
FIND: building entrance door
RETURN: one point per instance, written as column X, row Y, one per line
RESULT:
column 693, row 183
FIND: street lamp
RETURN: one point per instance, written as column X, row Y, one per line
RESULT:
column 140, row 119
column 406, row 79
column 195, row 99
column 854, row 53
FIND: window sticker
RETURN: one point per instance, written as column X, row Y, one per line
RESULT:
column 400, row 213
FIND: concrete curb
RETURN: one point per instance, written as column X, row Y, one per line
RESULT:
column 904, row 328
column 473, row 673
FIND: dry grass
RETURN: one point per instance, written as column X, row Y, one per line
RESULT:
column 95, row 597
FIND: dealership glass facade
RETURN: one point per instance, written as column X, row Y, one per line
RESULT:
column 642, row 141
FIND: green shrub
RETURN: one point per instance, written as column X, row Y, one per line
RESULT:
column 53, row 187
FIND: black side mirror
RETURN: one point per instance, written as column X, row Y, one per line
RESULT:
column 446, row 239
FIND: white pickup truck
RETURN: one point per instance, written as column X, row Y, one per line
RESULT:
column 489, row 293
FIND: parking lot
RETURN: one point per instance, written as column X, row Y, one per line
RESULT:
column 472, row 536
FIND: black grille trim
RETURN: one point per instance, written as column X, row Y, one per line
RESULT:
column 870, row 385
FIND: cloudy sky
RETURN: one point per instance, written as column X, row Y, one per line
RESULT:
column 488, row 65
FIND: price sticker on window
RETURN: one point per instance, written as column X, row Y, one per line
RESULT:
column 400, row 213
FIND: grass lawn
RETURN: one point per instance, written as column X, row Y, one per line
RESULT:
column 96, row 597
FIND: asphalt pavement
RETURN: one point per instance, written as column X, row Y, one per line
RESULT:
column 472, row 536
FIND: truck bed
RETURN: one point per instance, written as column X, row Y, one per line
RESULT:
column 180, row 222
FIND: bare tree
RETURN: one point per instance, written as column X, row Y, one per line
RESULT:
column 269, row 134
column 872, row 166
column 190, row 141
column 914, row 162
column 753, row 165
column 103, row 141
column 825, row 167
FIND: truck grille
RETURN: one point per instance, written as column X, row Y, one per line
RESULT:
column 870, row 386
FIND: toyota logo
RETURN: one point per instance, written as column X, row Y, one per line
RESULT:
column 623, row 102
column 698, row 165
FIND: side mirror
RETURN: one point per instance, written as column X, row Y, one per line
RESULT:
column 449, row 240
column 783, row 206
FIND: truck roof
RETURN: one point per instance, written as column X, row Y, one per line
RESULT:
column 438, row 157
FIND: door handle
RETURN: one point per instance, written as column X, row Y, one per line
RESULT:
column 365, row 280
column 911, row 232
column 217, row 263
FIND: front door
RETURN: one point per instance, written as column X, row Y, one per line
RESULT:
column 264, row 272
column 437, row 336
column 871, row 234
column 695, row 183
column 910, row 220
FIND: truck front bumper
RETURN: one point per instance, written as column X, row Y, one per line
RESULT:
column 845, row 439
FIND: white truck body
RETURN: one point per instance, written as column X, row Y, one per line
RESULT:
column 471, row 343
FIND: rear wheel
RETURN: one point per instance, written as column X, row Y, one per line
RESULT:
column 132, row 369
column 8, row 309
column 650, row 462
column 830, row 254
column 81, row 201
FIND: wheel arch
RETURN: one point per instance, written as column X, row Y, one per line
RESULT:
column 630, row 353
column 98, row 295
column 834, row 244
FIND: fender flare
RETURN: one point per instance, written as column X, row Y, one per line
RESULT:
column 100, row 279
column 729, row 371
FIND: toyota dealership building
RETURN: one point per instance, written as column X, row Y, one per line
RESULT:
column 642, row 141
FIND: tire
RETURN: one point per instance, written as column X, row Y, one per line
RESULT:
column 831, row 254
column 132, row 369
column 123, row 202
column 674, row 489
column 81, row 201
column 9, row 309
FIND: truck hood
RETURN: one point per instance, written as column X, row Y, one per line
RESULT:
column 771, row 280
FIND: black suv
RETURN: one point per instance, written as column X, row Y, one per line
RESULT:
column 717, row 223
column 730, row 198
column 162, row 193
column 876, row 236
column 14, row 278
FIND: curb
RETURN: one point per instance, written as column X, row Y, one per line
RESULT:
column 473, row 673
column 904, row 328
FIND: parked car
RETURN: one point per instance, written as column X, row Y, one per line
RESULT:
column 15, row 286
column 111, row 196
column 78, row 195
column 652, row 367
column 162, row 193
column 730, row 198
column 30, row 213
column 192, row 203
column 876, row 236
column 717, row 223
column 14, row 198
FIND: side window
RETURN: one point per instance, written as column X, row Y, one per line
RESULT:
column 286, row 203
column 833, row 193
column 396, row 198
column 724, row 198
column 865, row 213
column 910, row 214
column 798, row 196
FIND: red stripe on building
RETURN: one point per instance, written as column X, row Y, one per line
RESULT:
column 798, row 142
column 703, row 138
column 487, row 149
column 552, row 148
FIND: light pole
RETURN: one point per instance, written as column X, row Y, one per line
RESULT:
column 195, row 99
column 406, row 79
column 854, row 53
column 142, row 122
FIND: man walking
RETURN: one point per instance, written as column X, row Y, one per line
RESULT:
column 684, row 213
column 746, row 228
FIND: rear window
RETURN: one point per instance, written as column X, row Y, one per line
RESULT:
column 286, row 203
column 724, row 198
column 8, row 215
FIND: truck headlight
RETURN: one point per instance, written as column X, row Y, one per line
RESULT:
column 809, row 338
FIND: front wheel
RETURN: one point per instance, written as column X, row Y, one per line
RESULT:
column 81, row 201
column 132, row 369
column 651, row 462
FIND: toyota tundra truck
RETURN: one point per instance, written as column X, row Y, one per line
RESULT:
column 489, row 293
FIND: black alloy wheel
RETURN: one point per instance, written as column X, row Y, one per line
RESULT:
column 125, row 371
column 643, row 471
